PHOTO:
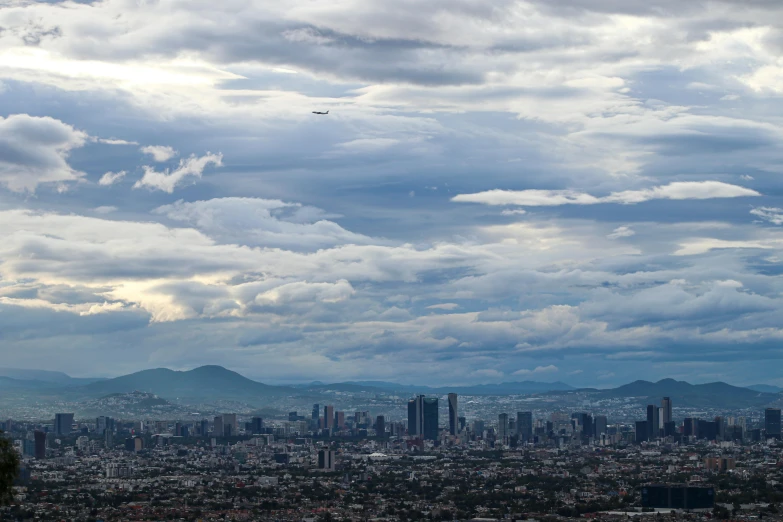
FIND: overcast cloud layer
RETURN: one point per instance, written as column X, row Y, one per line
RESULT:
column 585, row 191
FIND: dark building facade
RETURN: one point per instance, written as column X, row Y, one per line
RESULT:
column 642, row 433
column 256, row 425
column 423, row 417
column 453, row 414
column 772, row 423
column 413, row 417
column 707, row 430
column 652, row 421
column 40, row 444
column 525, row 426
column 678, row 497
column 430, row 417
column 689, row 427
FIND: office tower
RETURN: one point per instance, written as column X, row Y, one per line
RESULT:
column 316, row 412
column 329, row 417
column 339, row 419
column 217, row 427
column 582, row 422
column 525, row 426
column 415, row 416
column 600, row 425
column 666, row 407
column 40, row 444
column 361, row 419
column 669, row 429
column 293, row 416
column 478, row 427
column 720, row 426
column 63, row 423
column 462, row 423
column 28, row 448
column 688, row 427
column 380, row 426
column 178, row 429
column 326, row 459
column 587, row 427
column 134, row 444
column 204, row 428
column 453, row 414
column 772, row 423
column 256, row 425
column 502, row 427
column 641, row 432
column 707, row 430
column 108, row 438
column 430, row 418
column 653, row 417
column 230, row 419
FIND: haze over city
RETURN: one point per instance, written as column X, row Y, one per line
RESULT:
column 433, row 193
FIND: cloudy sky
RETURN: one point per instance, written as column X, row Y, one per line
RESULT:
column 577, row 190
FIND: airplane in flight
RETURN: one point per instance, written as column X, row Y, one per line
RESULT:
column 319, row 112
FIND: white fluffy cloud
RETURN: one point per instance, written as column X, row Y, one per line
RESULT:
column 771, row 214
column 168, row 180
column 623, row 231
column 262, row 222
column 159, row 153
column 110, row 178
column 34, row 150
column 544, row 198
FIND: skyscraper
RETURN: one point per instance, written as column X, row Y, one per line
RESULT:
column 63, row 423
column 641, row 432
column 653, row 418
column 430, row 418
column 413, row 417
column 689, row 427
column 772, row 423
column 380, row 426
column 217, row 427
column 230, row 419
column 328, row 417
column 423, row 417
column 525, row 426
column 600, row 425
column 339, row 419
column 666, row 406
column 502, row 427
column 316, row 412
column 40, row 444
column 256, row 425
column 326, row 459
column 453, row 415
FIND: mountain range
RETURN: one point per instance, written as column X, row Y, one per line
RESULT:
column 44, row 377
column 200, row 383
column 215, row 383
column 692, row 395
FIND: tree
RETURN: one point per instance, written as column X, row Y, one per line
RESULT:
column 9, row 469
